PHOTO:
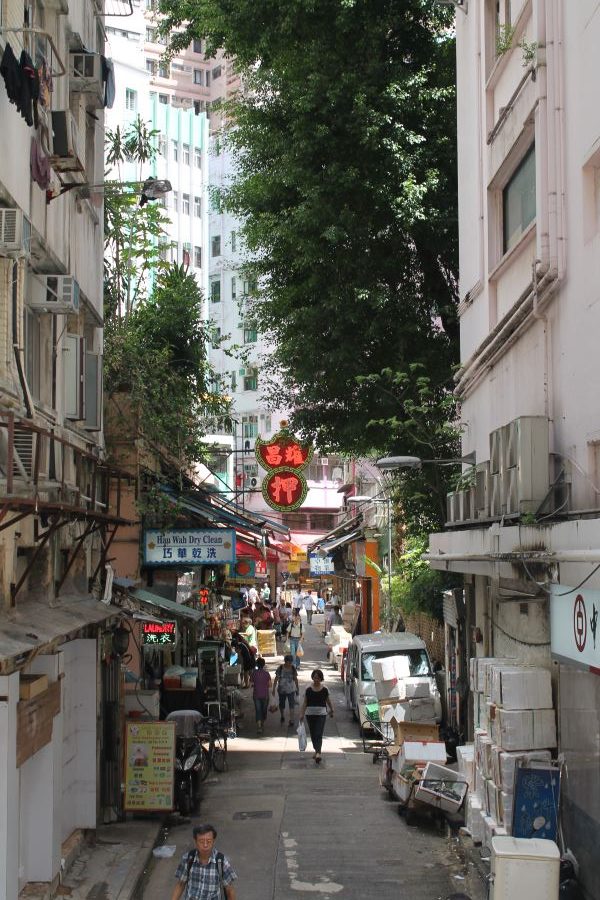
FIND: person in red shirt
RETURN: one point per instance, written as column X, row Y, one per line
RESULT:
column 261, row 681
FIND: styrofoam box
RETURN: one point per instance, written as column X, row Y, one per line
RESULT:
column 525, row 729
column 506, row 803
column 480, row 784
column 489, row 828
column 445, row 789
column 474, row 822
column 423, row 751
column 390, row 667
column 415, row 688
column 146, row 702
column 483, row 744
column 388, row 690
column 482, row 664
column 465, row 757
column 401, row 787
column 415, row 711
column 389, row 711
column 505, row 764
column 486, row 796
column 521, row 687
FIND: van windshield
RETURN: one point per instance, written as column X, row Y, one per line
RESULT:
column 417, row 660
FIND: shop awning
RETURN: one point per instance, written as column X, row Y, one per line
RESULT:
column 147, row 598
column 336, row 543
column 220, row 511
column 350, row 526
column 247, row 551
column 33, row 625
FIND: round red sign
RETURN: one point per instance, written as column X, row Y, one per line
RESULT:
column 579, row 623
column 284, row 489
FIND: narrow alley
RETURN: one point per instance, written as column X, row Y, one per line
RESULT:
column 294, row 829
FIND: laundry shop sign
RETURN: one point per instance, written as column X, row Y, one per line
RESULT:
column 189, row 546
column 574, row 618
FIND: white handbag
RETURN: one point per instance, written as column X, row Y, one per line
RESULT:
column 302, row 740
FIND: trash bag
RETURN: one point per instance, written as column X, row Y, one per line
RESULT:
column 299, row 651
column 273, row 708
column 301, row 732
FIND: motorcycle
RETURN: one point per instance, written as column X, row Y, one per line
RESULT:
column 190, row 760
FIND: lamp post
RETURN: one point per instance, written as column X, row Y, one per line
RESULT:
column 388, row 502
column 389, row 463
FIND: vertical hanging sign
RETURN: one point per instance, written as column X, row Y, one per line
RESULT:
column 284, row 457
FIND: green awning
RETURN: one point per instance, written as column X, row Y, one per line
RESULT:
column 167, row 606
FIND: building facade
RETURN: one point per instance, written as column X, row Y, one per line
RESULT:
column 525, row 530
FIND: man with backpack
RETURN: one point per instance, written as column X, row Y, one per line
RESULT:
column 286, row 685
column 204, row 873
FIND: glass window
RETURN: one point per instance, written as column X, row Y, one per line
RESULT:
column 198, row 257
column 175, row 149
column 186, row 154
column 151, row 35
column 197, row 45
column 251, row 383
column 215, row 289
column 250, row 429
column 162, row 145
column 175, row 201
column 216, row 72
column 163, row 98
column 151, row 66
column 250, row 335
column 215, row 245
column 198, row 157
column 207, row 78
column 197, row 207
column 197, row 76
column 185, row 204
column 130, row 99
column 233, row 287
column 518, row 201
column 164, row 70
column 233, row 241
column 417, row 660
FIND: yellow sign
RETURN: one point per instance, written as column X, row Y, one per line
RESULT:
column 293, row 566
column 149, row 766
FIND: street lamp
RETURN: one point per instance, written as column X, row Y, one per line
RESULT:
column 389, row 463
column 388, row 502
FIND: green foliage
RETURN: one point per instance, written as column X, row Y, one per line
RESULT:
column 504, row 39
column 417, row 587
column 529, row 50
column 345, row 146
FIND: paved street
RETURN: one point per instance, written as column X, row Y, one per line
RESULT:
column 292, row 829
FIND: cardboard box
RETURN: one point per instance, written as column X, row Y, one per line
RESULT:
column 390, row 667
column 32, row 685
column 521, row 687
column 415, row 731
column 442, row 787
column 505, row 764
column 465, row 757
column 526, row 729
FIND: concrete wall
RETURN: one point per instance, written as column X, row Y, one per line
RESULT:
column 79, row 737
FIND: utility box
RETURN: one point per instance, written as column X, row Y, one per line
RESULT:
column 524, row 869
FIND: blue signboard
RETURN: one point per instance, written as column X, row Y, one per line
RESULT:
column 189, row 546
column 321, row 565
column 535, row 810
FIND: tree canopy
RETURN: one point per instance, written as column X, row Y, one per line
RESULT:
column 345, row 143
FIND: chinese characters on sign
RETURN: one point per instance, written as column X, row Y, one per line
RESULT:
column 161, row 635
column 149, row 766
column 574, row 624
column 189, row 546
column 284, row 457
column 321, row 565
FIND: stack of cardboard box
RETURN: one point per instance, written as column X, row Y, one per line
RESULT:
column 516, row 726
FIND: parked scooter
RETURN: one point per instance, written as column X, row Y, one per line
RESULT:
column 190, row 760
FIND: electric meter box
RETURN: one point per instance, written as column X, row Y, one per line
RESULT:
column 524, row 869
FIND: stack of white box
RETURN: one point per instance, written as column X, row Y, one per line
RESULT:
column 516, row 726
column 402, row 697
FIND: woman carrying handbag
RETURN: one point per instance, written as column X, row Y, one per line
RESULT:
column 295, row 635
column 316, row 704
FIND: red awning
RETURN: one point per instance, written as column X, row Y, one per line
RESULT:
column 247, row 551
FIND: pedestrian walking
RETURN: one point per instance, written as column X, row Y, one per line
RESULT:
column 297, row 600
column 204, row 873
column 248, row 632
column 246, row 658
column 308, row 602
column 286, row 685
column 315, row 706
column 320, row 604
column 261, row 681
column 295, row 633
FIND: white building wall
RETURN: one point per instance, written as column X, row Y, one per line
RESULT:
column 79, row 736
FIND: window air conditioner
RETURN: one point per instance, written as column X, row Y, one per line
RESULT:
column 57, row 294
column 66, row 155
column 15, row 232
column 85, row 75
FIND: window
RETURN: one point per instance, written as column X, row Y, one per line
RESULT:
column 185, row 204
column 268, row 431
column 164, row 70
column 175, row 201
column 216, row 72
column 198, row 257
column 215, row 245
column 175, row 150
column 186, row 154
column 518, row 201
column 186, row 257
column 163, row 249
column 197, row 207
column 233, row 241
column 250, row 335
column 163, row 98
column 130, row 99
column 215, row 289
column 162, row 145
column 233, row 287
column 197, row 76
column 198, row 157
column 73, row 367
column 251, row 382
column 207, row 78
column 151, row 35
column 93, row 391
column 250, row 429
column 249, row 287
column 32, row 352
column 197, row 45
column 151, row 66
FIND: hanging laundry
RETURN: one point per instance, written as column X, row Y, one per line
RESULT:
column 31, row 89
column 108, row 77
column 45, row 80
column 13, row 76
column 40, row 164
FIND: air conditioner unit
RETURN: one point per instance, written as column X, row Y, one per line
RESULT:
column 495, row 451
column 452, row 508
column 324, row 461
column 66, row 153
column 15, row 232
column 482, row 490
column 496, row 496
column 466, row 505
column 511, row 491
column 54, row 293
column 532, row 455
column 85, row 75
column 251, row 483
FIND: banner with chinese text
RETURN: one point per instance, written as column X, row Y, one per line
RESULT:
column 149, row 766
column 189, row 546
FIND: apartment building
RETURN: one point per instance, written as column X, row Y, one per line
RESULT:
column 525, row 530
column 56, row 662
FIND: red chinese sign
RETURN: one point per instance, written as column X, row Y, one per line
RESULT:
column 285, row 487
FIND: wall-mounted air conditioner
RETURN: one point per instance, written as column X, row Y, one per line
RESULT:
column 85, row 75
column 482, row 490
column 495, row 451
column 15, row 232
column 496, row 496
column 452, row 508
column 67, row 154
column 466, row 505
column 54, row 293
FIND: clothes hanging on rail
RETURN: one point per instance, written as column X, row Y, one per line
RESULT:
column 108, row 77
column 39, row 164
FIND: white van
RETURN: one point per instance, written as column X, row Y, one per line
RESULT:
column 359, row 685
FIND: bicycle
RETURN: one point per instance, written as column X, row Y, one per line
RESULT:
column 215, row 756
